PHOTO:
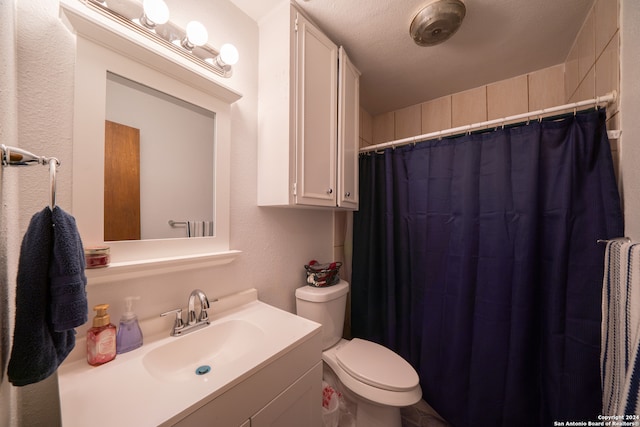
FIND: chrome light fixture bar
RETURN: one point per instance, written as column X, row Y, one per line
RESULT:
column 151, row 19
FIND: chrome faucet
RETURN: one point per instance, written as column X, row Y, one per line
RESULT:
column 193, row 322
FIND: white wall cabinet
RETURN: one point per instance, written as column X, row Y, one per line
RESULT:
column 308, row 116
column 349, row 132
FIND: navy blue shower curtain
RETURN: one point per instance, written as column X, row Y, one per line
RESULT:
column 475, row 258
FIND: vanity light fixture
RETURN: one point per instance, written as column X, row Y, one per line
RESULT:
column 151, row 19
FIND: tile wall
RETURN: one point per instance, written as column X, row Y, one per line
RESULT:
column 592, row 67
column 533, row 91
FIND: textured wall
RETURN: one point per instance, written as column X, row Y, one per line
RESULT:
column 8, row 208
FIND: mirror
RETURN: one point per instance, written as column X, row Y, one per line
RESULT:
column 94, row 64
column 158, row 164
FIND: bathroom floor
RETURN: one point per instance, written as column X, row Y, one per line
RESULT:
column 422, row 415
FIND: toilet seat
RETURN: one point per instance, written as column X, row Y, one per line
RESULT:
column 376, row 365
column 374, row 394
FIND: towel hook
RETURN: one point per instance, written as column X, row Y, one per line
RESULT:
column 53, row 164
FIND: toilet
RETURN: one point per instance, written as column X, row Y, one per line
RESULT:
column 374, row 379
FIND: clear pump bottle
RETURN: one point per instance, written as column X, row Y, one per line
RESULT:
column 129, row 335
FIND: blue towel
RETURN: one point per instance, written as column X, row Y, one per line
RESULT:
column 50, row 297
column 66, row 274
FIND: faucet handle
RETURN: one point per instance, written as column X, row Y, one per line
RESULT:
column 204, row 316
column 206, row 305
column 178, row 321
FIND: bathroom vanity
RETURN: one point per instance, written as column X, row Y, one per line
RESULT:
column 264, row 365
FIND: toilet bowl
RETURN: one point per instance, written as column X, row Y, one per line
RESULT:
column 375, row 379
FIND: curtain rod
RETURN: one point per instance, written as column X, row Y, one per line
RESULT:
column 609, row 97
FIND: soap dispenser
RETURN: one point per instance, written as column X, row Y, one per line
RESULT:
column 129, row 335
column 101, row 338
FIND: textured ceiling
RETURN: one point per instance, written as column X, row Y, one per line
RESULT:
column 498, row 39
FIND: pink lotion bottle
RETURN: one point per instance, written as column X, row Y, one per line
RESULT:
column 101, row 338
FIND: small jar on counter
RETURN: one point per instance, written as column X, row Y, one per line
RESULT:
column 97, row 256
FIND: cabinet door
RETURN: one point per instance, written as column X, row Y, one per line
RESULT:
column 349, row 132
column 298, row 405
column 316, row 116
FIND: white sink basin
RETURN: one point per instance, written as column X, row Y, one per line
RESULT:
column 215, row 346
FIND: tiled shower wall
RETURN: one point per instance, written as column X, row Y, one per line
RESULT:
column 591, row 69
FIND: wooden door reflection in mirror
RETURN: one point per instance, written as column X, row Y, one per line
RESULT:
column 122, row 182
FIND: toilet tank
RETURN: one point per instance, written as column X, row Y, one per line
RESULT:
column 325, row 306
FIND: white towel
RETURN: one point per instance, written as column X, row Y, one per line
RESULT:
column 620, row 357
column 199, row 228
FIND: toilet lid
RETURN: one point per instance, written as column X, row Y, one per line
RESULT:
column 376, row 365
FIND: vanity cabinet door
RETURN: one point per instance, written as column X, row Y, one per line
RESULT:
column 299, row 405
column 316, row 115
column 349, row 132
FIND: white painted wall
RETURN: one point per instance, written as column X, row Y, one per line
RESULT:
column 276, row 243
column 629, row 114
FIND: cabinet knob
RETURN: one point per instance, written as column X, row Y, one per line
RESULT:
column 347, row 194
column 330, row 191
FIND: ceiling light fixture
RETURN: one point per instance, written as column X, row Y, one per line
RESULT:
column 151, row 19
column 437, row 22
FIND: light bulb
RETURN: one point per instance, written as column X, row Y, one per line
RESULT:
column 196, row 34
column 155, row 12
column 229, row 54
